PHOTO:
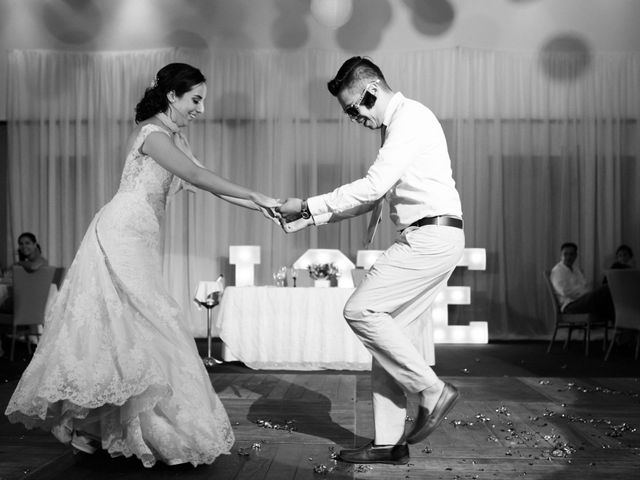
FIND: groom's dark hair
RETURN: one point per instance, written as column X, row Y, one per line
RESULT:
column 355, row 71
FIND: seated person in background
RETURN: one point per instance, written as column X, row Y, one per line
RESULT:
column 624, row 258
column 29, row 253
column 572, row 290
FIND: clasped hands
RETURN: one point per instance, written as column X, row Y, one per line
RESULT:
column 286, row 213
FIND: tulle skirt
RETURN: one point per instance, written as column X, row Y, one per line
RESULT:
column 115, row 361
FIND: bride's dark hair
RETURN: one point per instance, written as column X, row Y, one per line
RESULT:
column 176, row 77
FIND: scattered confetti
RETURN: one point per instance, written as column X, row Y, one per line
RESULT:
column 461, row 423
column 322, row 469
column 482, row 418
column 362, row 468
column 502, row 410
column 560, row 449
column 617, row 430
column 288, row 425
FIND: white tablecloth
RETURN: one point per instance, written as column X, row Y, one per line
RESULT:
column 289, row 328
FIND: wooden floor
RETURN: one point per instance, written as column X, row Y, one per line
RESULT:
column 504, row 427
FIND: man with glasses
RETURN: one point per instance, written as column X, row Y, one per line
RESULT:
column 412, row 172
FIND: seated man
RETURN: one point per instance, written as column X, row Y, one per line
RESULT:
column 571, row 287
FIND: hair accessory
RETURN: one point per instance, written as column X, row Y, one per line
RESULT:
column 154, row 82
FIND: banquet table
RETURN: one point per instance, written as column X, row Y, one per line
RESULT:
column 289, row 328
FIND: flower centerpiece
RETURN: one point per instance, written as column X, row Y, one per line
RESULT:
column 324, row 274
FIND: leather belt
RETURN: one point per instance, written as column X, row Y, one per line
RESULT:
column 444, row 220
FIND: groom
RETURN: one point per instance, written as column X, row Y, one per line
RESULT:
column 412, row 172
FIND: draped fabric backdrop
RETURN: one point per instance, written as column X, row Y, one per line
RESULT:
column 545, row 149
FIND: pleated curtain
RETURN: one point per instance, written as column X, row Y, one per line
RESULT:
column 544, row 150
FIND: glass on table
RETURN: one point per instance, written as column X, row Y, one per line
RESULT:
column 6, row 275
column 280, row 276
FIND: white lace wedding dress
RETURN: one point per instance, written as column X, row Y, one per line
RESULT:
column 115, row 361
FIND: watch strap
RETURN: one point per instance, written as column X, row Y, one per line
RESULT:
column 304, row 209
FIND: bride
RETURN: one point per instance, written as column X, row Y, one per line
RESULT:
column 116, row 367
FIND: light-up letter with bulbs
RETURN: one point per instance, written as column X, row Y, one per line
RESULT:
column 244, row 257
column 325, row 255
column 475, row 332
column 366, row 258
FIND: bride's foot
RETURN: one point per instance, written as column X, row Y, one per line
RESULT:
column 83, row 443
column 63, row 433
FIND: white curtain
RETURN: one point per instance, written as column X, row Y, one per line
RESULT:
column 545, row 149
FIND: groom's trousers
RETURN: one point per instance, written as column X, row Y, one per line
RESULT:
column 386, row 313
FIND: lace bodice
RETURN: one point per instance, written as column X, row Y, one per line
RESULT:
column 143, row 175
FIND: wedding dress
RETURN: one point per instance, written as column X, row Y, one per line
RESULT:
column 115, row 362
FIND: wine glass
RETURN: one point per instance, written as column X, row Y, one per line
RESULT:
column 280, row 276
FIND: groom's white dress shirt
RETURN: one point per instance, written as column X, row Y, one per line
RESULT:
column 412, row 171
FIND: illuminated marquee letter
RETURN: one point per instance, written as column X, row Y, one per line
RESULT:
column 325, row 255
column 244, row 257
column 475, row 332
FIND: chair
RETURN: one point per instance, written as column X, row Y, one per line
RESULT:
column 573, row 321
column 30, row 294
column 625, row 292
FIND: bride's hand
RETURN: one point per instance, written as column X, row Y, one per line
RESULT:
column 265, row 201
column 271, row 214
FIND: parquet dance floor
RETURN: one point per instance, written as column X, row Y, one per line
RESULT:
column 288, row 424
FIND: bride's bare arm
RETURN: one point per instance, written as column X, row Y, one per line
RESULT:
column 162, row 149
column 269, row 213
column 241, row 202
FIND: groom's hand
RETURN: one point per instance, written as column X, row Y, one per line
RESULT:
column 290, row 209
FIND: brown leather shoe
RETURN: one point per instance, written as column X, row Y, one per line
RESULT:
column 428, row 422
column 370, row 453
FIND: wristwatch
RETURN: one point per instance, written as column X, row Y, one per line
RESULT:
column 304, row 210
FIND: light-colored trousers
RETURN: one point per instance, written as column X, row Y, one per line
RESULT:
column 384, row 312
